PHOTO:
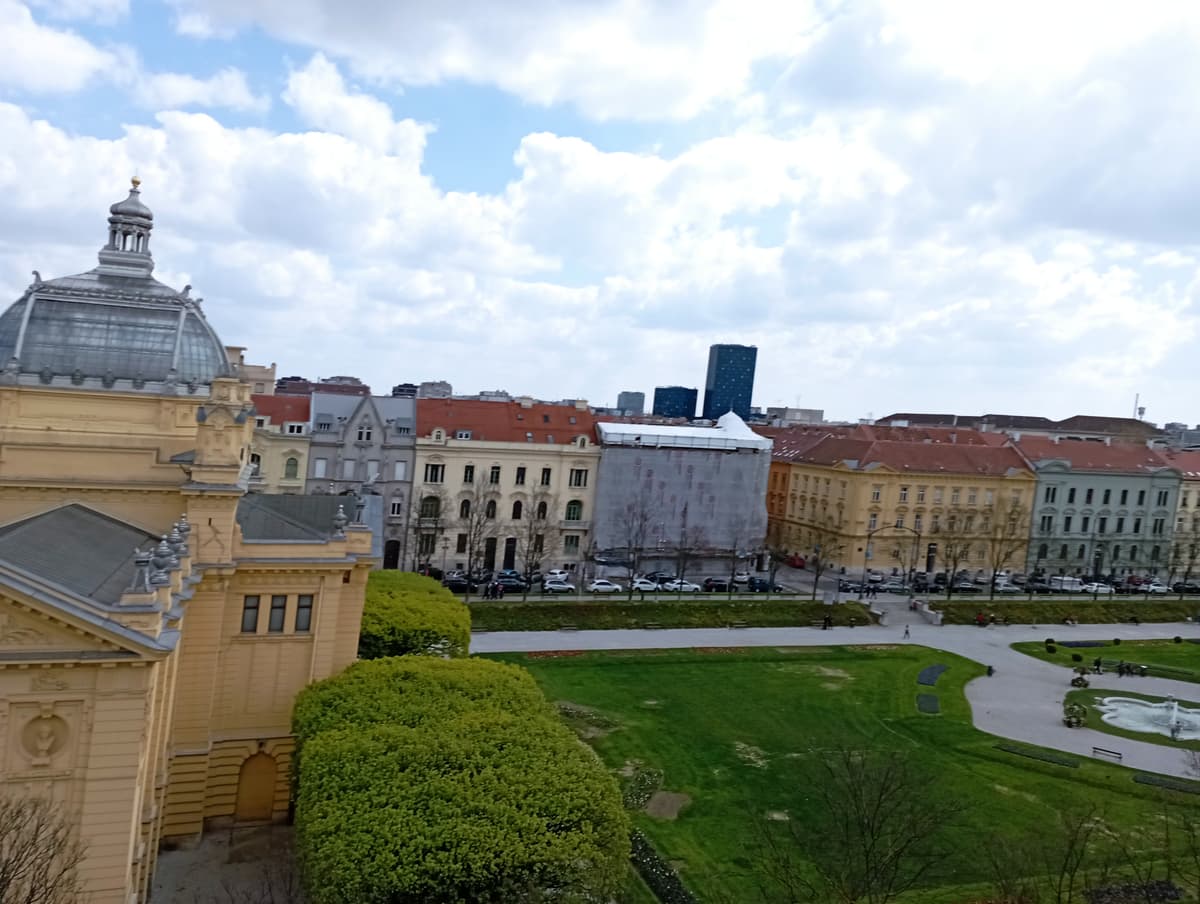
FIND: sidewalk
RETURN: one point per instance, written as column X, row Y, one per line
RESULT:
column 1022, row 701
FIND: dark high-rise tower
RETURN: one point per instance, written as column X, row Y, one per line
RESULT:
column 730, row 382
column 675, row 401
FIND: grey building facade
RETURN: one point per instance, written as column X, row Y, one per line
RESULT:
column 631, row 402
column 730, row 382
column 660, row 487
column 366, row 445
column 675, row 401
column 1101, row 509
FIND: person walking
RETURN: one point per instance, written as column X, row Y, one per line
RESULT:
column 906, row 634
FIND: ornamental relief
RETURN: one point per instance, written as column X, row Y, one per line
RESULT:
column 43, row 738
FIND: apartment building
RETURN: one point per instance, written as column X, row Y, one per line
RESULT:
column 279, row 445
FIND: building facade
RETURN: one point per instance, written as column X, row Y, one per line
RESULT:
column 1104, row 509
column 663, row 489
column 729, row 385
column 366, row 444
column 503, row 484
column 631, row 403
column 924, row 501
column 1184, row 561
column 675, row 401
column 155, row 627
column 279, row 444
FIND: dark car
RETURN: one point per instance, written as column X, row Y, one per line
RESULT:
column 849, row 586
column 1037, row 587
column 1186, row 587
column 508, row 582
column 715, row 585
column 460, row 585
column 762, row 585
column 965, row 587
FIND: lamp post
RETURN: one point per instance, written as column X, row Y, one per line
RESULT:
column 445, row 549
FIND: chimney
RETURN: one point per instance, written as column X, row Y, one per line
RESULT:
column 954, row 437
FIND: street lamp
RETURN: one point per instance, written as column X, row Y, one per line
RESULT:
column 445, row 549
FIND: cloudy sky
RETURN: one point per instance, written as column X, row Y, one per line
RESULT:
column 948, row 206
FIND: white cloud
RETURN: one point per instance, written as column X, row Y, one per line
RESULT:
column 172, row 91
column 104, row 11
column 44, row 60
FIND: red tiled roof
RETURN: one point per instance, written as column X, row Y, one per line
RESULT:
column 1085, row 455
column 280, row 408
column 972, row 458
column 505, row 422
column 1187, row 461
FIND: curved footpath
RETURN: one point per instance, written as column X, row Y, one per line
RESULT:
column 1022, row 701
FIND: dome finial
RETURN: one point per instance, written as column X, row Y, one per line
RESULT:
column 135, row 182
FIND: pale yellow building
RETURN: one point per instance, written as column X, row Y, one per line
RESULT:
column 155, row 621
column 899, row 501
column 532, row 465
column 279, row 446
column 260, row 377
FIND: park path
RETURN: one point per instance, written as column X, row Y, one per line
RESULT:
column 1022, row 701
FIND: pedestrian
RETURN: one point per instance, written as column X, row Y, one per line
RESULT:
column 906, row 634
column 1097, row 665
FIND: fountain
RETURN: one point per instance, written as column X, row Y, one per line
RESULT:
column 1166, row 717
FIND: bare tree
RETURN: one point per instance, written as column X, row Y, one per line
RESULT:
column 739, row 541
column 538, row 532
column 39, row 853
column 633, row 534
column 827, row 546
column 956, row 537
column 882, row 829
column 778, row 552
column 477, row 521
column 428, row 524
column 1004, row 535
column 1185, row 554
column 688, row 546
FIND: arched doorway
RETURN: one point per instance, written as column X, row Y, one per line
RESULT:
column 256, row 789
column 391, row 554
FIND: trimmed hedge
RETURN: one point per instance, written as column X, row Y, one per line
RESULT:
column 657, row 873
column 1044, row 755
column 440, row 781
column 1163, row 781
column 409, row 613
column 1053, row 612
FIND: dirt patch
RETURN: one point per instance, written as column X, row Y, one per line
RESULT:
column 826, row 672
column 667, row 805
column 586, row 722
column 778, row 815
column 830, row 686
column 751, row 755
column 650, row 703
column 1009, row 792
column 630, row 768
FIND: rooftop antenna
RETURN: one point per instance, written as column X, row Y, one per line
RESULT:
column 1136, row 398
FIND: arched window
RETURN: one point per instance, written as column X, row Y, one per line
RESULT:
column 464, row 509
column 490, row 510
column 1043, row 551
column 431, row 507
column 574, row 510
column 517, row 510
column 541, row 511
column 291, row 469
column 1155, row 552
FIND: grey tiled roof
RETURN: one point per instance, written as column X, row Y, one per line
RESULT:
column 264, row 516
column 77, row 547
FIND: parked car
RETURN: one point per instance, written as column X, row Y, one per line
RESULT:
column 659, row 577
column 1005, row 587
column 845, row 586
column 508, row 573
column 741, row 577
column 715, row 585
column 602, row 586
column 1186, row 587
column 509, row 582
column 1036, row 586
column 557, row 587
column 1152, row 587
column 678, row 586
column 645, row 585
column 460, row 585
column 966, row 587
column 556, row 574
column 893, row 587
column 762, row 585
column 1096, row 589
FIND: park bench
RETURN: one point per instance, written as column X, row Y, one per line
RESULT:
column 1104, row 751
column 738, row 624
column 567, row 628
column 652, row 626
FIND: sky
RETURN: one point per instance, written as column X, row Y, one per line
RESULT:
column 946, row 206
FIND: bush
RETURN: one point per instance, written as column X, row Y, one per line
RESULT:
column 1049, row 641
column 433, row 780
column 1116, row 641
column 1177, row 639
column 1077, row 657
column 408, row 613
column 657, row 873
column 1051, row 648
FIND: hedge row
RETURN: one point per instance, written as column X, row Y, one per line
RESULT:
column 407, row 613
column 430, row 780
column 657, row 873
column 1055, row 612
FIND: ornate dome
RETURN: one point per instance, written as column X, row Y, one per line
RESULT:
column 115, row 325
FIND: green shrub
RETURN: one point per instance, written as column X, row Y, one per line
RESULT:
column 1049, row 641
column 1051, row 648
column 408, row 613
column 1076, row 657
column 1177, row 639
column 1116, row 641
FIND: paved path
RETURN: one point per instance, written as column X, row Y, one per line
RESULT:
column 1022, row 701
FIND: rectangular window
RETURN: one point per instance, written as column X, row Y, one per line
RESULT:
column 1163, row 496
column 1133, row 554
column 539, row 542
column 435, row 473
column 400, row 470
column 545, row 477
column 494, row 475
column 935, row 523
column 1157, row 527
column 260, row 422
column 250, row 615
column 278, row 612
column 578, row 477
column 304, row 606
column 1067, row 524
column 324, row 426
column 1087, row 496
column 1085, row 523
column 989, row 496
column 571, row 544
column 460, row 544
column 1141, row 498
column 1120, row 525
column 1124, row 497
column 1070, row 498
column 955, row 495
column 373, row 469
column 364, row 434
column 972, row 496
column 319, row 466
column 462, row 434
column 1137, row 525
column 876, row 493
column 1101, row 525
column 468, row 473
column 1051, row 492
column 873, row 521
column 937, row 495
column 348, row 469
column 521, row 476
column 397, row 507
column 904, row 494
column 917, row 523
column 900, row 521
column 1107, row 497
column 295, row 428
column 920, row 494
column 1062, row 552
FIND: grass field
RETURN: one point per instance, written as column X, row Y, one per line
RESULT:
column 736, row 730
column 1180, row 661
column 1089, row 697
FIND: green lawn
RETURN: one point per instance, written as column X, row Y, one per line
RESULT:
column 735, row 729
column 1180, row 661
column 1089, row 697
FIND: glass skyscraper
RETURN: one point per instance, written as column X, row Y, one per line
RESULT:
column 730, row 382
column 675, row 401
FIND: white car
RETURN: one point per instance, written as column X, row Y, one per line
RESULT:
column 557, row 587
column 678, row 586
column 1152, row 587
column 742, row 577
column 1096, row 589
column 644, row 586
column 556, row 574
column 602, row 586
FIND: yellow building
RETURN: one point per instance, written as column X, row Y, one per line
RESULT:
column 899, row 501
column 155, row 622
column 280, row 444
column 531, row 465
